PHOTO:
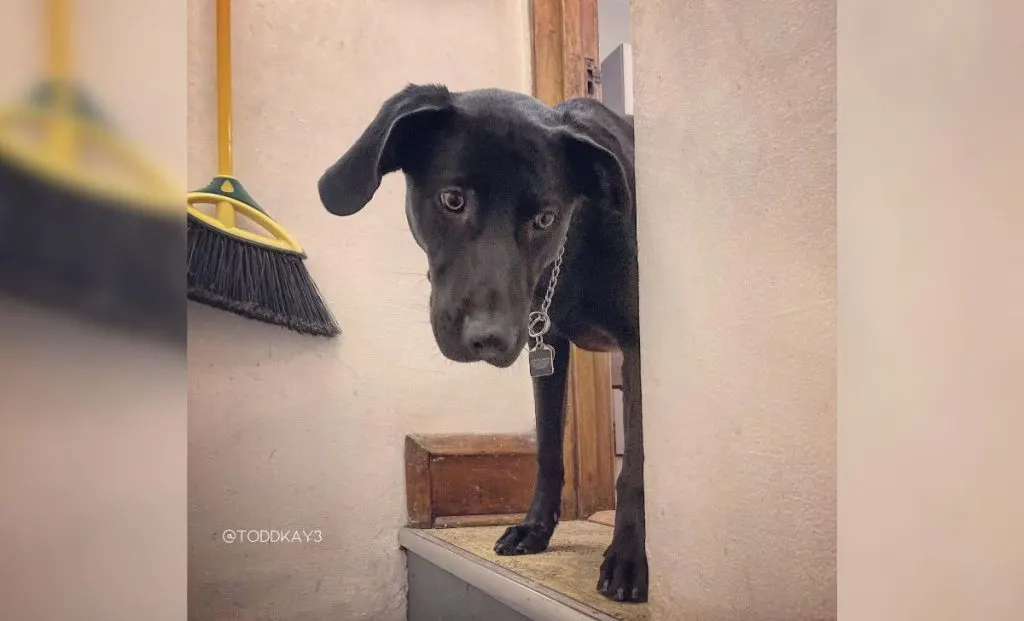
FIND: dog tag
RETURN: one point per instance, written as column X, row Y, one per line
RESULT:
column 542, row 361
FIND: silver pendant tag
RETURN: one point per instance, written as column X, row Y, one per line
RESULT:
column 542, row 355
column 542, row 360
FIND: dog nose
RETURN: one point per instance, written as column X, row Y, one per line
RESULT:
column 489, row 337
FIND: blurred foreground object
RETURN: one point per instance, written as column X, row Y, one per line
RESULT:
column 259, row 276
column 86, row 223
column 93, row 470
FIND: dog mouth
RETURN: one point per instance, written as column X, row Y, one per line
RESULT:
column 457, row 352
column 503, row 362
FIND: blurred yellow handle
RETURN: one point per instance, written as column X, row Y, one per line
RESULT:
column 62, row 130
column 59, row 36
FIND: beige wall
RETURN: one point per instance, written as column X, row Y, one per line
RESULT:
column 736, row 155
column 735, row 151
column 292, row 432
column 931, row 330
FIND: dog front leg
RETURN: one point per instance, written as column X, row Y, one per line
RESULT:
column 535, row 532
column 624, row 570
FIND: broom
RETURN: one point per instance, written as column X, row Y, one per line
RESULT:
column 256, row 275
column 86, row 223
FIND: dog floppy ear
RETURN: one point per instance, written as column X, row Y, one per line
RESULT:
column 598, row 168
column 349, row 184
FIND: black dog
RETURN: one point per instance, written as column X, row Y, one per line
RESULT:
column 500, row 190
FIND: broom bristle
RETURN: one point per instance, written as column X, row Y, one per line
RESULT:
column 255, row 281
column 91, row 254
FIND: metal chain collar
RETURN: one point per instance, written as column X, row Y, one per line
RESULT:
column 539, row 320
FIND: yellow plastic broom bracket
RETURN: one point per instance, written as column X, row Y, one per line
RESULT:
column 279, row 238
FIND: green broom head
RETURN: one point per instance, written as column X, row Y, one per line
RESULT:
column 86, row 223
column 258, row 275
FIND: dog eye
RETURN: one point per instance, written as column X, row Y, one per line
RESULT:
column 452, row 200
column 544, row 220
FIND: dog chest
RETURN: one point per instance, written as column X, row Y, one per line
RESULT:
column 591, row 338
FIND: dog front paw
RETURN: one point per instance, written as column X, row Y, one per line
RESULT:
column 624, row 570
column 525, row 538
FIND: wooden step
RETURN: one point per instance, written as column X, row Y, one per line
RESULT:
column 468, row 479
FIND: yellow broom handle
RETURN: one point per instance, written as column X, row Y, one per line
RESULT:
column 224, row 87
column 59, row 24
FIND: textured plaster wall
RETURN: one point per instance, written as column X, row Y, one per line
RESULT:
column 288, row 432
column 736, row 155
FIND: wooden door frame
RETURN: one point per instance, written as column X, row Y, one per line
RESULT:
column 567, row 64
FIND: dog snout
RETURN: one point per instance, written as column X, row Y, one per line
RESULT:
column 489, row 337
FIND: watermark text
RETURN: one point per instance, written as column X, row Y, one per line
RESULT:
column 272, row 535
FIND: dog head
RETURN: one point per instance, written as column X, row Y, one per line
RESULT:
column 493, row 179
